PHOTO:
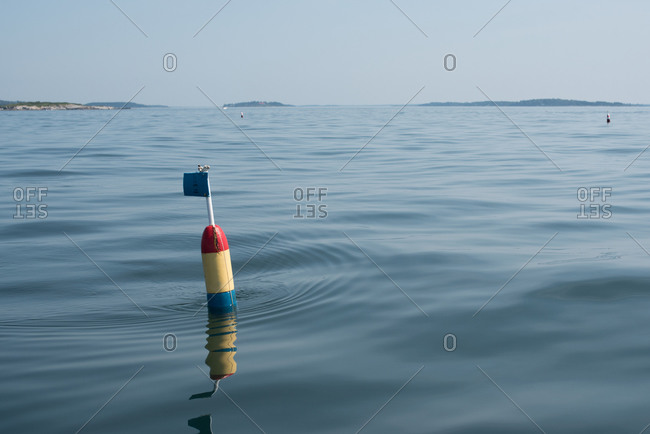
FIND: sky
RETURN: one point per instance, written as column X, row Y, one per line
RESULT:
column 324, row 52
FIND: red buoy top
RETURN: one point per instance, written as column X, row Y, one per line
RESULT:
column 213, row 240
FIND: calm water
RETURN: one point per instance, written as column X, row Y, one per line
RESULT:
column 367, row 318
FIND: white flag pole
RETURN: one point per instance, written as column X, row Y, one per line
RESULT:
column 208, row 200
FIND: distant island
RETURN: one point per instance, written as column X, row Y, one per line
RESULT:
column 257, row 104
column 549, row 102
column 46, row 105
column 42, row 105
column 122, row 104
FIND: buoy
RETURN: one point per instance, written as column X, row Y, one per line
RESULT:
column 217, row 268
column 608, row 118
column 215, row 252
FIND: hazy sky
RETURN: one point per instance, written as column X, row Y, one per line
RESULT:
column 324, row 52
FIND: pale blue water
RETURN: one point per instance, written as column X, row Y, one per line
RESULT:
column 445, row 204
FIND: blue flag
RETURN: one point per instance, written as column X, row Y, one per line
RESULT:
column 196, row 184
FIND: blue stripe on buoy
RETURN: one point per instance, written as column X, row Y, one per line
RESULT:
column 224, row 301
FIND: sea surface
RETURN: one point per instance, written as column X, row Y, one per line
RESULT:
column 463, row 270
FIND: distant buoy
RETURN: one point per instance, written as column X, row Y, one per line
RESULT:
column 215, row 253
column 242, row 114
column 608, row 118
